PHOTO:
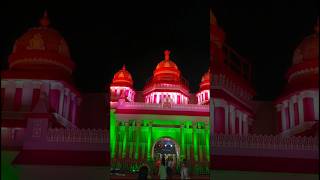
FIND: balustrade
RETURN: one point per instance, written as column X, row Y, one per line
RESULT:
column 91, row 136
column 265, row 142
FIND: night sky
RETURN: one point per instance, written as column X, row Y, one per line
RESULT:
column 103, row 37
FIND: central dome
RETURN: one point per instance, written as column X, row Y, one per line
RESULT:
column 167, row 70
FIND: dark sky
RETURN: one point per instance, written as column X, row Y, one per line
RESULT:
column 102, row 37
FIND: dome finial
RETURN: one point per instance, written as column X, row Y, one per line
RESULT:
column 213, row 19
column 124, row 67
column 44, row 21
column 316, row 27
column 166, row 55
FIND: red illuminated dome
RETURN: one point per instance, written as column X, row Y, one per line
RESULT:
column 205, row 81
column 166, row 70
column 166, row 84
column 308, row 50
column 122, row 78
column 41, row 48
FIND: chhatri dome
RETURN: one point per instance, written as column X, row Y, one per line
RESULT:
column 122, row 78
column 308, row 49
column 203, row 96
column 41, row 48
column 205, row 81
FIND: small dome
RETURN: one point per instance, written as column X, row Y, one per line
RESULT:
column 167, row 69
column 41, row 47
column 308, row 50
column 205, row 81
column 122, row 78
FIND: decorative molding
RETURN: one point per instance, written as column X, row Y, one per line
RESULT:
column 303, row 72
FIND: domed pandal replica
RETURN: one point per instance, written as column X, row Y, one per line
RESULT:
column 166, row 83
column 160, row 114
column 121, row 86
column 42, row 50
column 298, row 105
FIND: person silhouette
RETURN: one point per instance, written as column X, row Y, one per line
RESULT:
column 143, row 173
column 163, row 170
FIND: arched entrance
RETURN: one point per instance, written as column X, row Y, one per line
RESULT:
column 167, row 147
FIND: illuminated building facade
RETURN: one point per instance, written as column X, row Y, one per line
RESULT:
column 41, row 135
column 163, row 119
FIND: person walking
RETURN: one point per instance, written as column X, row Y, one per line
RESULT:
column 184, row 171
column 170, row 167
column 163, row 170
column 143, row 173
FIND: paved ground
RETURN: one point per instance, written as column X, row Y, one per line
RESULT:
column 155, row 177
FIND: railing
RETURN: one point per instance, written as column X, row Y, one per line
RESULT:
column 91, row 136
column 265, row 142
column 182, row 107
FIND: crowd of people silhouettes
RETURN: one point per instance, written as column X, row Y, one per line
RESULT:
column 166, row 169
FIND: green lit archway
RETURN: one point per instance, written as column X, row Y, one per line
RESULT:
column 166, row 138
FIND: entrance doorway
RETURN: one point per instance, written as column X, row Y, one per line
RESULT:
column 168, row 148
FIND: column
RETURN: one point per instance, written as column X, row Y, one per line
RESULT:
column 183, row 144
column 240, row 122
column 114, row 151
column 284, row 117
column 74, row 106
column 195, row 141
column 120, row 136
column 245, row 127
column 130, row 140
column 300, row 109
column 279, row 117
column 61, row 101
column 67, row 93
column 316, row 105
column 245, row 124
column 10, row 90
column 200, row 149
column 207, row 131
column 291, row 111
column 149, row 141
column 232, row 118
column 138, row 132
column 192, row 143
column 27, row 92
column 227, row 120
column 211, row 119
column 125, row 141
